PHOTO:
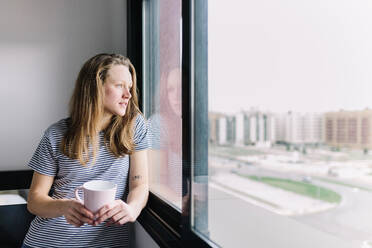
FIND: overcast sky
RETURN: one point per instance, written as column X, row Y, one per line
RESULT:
column 299, row 55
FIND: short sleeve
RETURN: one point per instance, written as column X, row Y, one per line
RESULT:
column 140, row 133
column 154, row 132
column 43, row 161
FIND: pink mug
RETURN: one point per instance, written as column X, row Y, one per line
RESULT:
column 96, row 193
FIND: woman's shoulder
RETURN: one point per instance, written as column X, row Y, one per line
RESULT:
column 57, row 129
column 140, row 121
column 157, row 122
column 139, row 117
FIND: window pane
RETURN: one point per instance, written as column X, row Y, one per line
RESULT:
column 162, row 92
column 289, row 123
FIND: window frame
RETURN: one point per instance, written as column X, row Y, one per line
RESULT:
column 167, row 226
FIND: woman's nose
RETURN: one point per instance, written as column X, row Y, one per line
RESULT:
column 127, row 93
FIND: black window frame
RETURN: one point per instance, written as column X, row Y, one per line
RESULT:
column 167, row 226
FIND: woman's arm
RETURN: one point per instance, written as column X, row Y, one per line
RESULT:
column 120, row 212
column 41, row 204
column 138, row 181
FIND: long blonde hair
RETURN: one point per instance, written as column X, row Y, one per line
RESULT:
column 86, row 112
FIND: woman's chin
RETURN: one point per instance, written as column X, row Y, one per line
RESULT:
column 120, row 113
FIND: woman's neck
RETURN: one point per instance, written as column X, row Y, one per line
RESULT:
column 105, row 121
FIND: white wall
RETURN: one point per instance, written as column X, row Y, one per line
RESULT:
column 43, row 45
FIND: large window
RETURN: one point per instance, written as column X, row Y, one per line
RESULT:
column 289, row 107
column 162, row 94
column 274, row 133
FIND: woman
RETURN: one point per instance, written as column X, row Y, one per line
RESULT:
column 104, row 138
column 165, row 138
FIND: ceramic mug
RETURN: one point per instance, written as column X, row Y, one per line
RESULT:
column 96, row 193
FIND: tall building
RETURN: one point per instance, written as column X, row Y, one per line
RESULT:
column 349, row 129
column 299, row 128
column 230, row 129
column 221, row 128
column 239, row 128
column 313, row 128
column 255, row 128
column 213, row 123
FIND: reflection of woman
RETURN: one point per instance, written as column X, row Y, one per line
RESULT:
column 166, row 134
column 103, row 135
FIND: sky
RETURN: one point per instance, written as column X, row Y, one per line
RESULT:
column 289, row 55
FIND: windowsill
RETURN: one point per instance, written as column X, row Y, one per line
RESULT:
column 167, row 195
column 11, row 197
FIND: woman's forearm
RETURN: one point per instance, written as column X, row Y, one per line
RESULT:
column 137, row 198
column 45, row 206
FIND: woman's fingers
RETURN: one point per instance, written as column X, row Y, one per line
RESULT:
column 73, row 220
column 86, row 212
column 107, row 215
column 119, row 219
column 81, row 209
column 118, row 212
column 76, row 214
column 123, row 220
column 82, row 218
column 120, row 215
column 83, row 214
column 107, row 211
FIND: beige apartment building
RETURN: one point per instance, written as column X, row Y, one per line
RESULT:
column 349, row 129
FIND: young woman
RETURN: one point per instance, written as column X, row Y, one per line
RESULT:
column 165, row 137
column 104, row 138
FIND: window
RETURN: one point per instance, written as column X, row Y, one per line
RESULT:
column 365, row 131
column 272, row 150
column 352, row 130
column 162, row 94
column 289, row 143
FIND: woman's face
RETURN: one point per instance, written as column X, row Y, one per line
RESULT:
column 174, row 91
column 116, row 90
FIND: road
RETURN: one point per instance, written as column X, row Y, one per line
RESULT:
column 351, row 221
column 235, row 223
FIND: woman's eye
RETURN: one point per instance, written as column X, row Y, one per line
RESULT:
column 119, row 85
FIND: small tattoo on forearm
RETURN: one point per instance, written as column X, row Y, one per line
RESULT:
column 136, row 177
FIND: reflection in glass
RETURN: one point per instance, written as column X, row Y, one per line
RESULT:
column 162, row 72
column 166, row 138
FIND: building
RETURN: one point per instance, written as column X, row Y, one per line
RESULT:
column 213, row 126
column 299, row 128
column 245, row 128
column 230, row 129
column 221, row 128
column 349, row 129
column 255, row 128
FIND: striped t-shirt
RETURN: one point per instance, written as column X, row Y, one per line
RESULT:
column 68, row 174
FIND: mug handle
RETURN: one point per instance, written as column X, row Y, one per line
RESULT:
column 77, row 194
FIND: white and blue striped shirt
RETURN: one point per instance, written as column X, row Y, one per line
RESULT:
column 68, row 174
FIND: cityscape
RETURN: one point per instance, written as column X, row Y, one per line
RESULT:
column 339, row 129
column 312, row 167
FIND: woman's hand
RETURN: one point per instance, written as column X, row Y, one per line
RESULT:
column 117, row 211
column 76, row 214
